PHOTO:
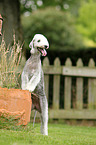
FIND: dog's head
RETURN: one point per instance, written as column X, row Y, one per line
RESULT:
column 39, row 44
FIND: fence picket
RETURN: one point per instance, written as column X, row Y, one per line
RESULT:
column 46, row 77
column 67, row 88
column 68, row 71
column 56, row 86
column 79, row 88
column 91, row 88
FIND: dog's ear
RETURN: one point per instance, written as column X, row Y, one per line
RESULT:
column 31, row 44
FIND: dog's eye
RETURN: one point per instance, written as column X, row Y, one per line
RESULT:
column 38, row 40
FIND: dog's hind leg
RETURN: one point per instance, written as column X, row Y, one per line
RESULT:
column 44, row 115
column 43, row 105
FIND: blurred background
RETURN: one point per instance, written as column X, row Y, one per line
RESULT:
column 69, row 25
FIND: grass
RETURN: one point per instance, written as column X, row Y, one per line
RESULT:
column 59, row 134
column 10, row 59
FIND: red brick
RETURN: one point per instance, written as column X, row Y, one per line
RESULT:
column 17, row 103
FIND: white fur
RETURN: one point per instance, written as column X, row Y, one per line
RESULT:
column 43, row 41
column 32, row 78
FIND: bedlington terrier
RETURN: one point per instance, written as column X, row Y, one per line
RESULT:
column 32, row 77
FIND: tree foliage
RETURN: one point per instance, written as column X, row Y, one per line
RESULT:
column 57, row 26
column 87, row 20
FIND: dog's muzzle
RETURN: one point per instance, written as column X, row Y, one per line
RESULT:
column 42, row 50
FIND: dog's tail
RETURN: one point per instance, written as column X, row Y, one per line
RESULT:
column 34, row 117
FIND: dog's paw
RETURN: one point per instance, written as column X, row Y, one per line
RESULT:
column 44, row 130
column 30, row 88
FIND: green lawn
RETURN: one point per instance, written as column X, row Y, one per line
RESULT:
column 59, row 134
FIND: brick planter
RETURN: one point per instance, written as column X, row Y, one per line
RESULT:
column 16, row 103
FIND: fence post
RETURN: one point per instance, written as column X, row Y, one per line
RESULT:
column 79, row 88
column 56, row 86
column 46, row 77
column 67, row 88
column 91, row 88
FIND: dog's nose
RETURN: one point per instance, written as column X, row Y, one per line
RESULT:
column 46, row 46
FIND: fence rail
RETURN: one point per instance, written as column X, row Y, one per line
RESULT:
column 78, row 111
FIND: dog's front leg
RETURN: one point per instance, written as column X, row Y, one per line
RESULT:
column 24, row 80
column 44, row 115
column 31, row 85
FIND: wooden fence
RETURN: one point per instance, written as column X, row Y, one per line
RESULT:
column 79, row 101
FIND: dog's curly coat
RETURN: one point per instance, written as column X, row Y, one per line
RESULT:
column 33, row 78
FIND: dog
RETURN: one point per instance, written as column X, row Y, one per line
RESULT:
column 32, row 77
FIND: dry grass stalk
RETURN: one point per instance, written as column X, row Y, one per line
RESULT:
column 10, row 58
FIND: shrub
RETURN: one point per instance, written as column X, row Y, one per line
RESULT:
column 57, row 26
